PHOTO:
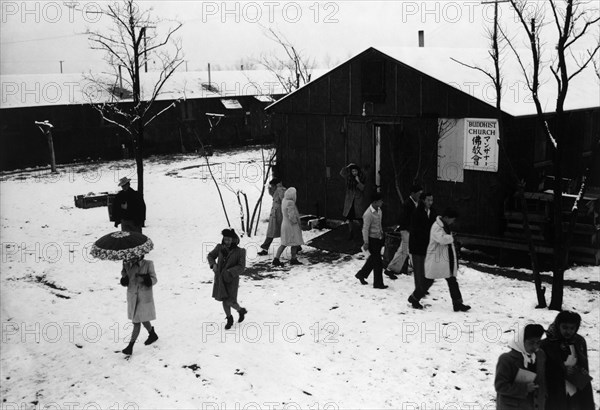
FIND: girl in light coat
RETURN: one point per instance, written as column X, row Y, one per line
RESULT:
column 139, row 277
column 291, row 232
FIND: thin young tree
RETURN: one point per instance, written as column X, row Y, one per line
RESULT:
column 496, row 49
column 573, row 23
column 292, row 68
column 134, row 38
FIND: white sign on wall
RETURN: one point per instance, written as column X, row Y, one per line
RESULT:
column 481, row 144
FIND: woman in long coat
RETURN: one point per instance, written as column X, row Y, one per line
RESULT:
column 276, row 190
column 353, row 202
column 228, row 262
column 139, row 276
column 291, row 232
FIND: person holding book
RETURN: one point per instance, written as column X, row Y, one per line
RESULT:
column 520, row 373
column 567, row 369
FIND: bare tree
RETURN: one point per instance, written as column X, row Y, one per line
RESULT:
column 572, row 22
column 293, row 69
column 131, row 42
column 496, row 50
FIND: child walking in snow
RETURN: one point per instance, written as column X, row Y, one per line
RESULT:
column 139, row 277
column 567, row 370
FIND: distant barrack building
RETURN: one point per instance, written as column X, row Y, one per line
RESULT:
column 238, row 99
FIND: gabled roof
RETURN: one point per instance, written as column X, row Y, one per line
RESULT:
column 584, row 89
column 29, row 90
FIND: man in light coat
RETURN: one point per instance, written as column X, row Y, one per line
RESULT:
column 441, row 261
column 373, row 242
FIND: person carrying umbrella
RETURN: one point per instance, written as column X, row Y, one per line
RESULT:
column 138, row 275
column 228, row 261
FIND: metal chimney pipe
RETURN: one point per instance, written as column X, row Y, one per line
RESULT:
column 209, row 82
column 421, row 38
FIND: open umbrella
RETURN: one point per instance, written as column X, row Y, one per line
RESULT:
column 121, row 245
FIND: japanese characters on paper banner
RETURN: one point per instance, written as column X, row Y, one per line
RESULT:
column 481, row 144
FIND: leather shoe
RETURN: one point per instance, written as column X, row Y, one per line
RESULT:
column 461, row 308
column 263, row 252
column 414, row 302
column 381, row 287
column 361, row 279
column 390, row 275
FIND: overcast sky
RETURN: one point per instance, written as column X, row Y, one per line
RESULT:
column 37, row 35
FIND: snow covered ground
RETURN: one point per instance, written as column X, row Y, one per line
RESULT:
column 314, row 337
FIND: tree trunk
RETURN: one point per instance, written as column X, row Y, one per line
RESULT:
column 559, row 267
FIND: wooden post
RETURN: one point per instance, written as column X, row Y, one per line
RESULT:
column 46, row 129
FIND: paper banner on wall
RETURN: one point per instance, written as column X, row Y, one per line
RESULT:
column 481, row 144
column 450, row 149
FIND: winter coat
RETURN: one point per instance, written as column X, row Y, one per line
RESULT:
column 135, row 208
column 437, row 260
column 557, row 350
column 140, row 300
column 354, row 199
column 291, row 232
column 420, row 227
column 408, row 209
column 230, row 265
column 514, row 395
column 276, row 217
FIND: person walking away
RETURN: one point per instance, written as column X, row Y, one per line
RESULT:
column 228, row 261
column 276, row 190
column 291, row 231
column 139, row 277
column 422, row 219
column 353, row 201
column 129, row 208
column 567, row 369
column 441, row 261
column 399, row 261
column 373, row 242
column 520, row 373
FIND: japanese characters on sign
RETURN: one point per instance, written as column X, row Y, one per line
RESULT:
column 481, row 144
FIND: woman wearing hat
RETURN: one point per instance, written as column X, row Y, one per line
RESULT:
column 228, row 261
column 353, row 203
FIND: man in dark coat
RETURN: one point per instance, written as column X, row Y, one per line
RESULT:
column 420, row 227
column 129, row 208
column 400, row 259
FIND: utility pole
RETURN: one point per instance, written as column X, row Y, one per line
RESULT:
column 61, row 67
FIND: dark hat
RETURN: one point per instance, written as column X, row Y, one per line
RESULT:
column 124, row 181
column 229, row 233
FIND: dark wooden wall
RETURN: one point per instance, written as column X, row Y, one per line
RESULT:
column 321, row 127
column 80, row 133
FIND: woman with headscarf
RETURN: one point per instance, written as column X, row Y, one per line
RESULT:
column 228, row 262
column 520, row 373
column 291, row 232
column 567, row 370
column 353, row 202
